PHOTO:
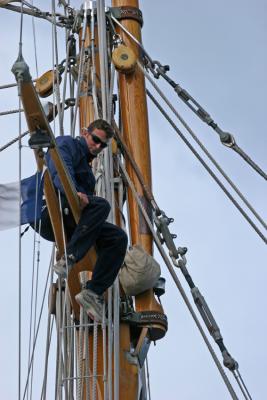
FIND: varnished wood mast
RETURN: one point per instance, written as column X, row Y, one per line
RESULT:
column 136, row 134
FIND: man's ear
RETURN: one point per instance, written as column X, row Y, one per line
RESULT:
column 84, row 132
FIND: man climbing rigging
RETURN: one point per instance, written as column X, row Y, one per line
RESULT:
column 92, row 229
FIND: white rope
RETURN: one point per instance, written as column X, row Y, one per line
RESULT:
column 80, row 357
column 102, row 35
column 104, row 341
column 93, row 68
column 65, row 84
column 70, row 349
column 56, row 90
column 87, row 356
column 110, row 344
column 94, row 361
column 80, row 73
column 116, row 308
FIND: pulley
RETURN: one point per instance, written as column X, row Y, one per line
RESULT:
column 124, row 59
column 44, row 84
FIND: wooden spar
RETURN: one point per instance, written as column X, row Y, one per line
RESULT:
column 136, row 134
column 36, row 120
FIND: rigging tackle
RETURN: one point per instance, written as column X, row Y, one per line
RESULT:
column 159, row 70
column 177, row 255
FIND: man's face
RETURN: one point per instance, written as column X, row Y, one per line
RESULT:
column 96, row 140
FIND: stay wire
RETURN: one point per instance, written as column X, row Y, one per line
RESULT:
column 32, row 282
column 148, row 378
column 34, row 43
column 242, row 384
column 19, row 232
column 178, row 283
column 36, row 288
column 208, row 169
column 13, row 141
column 226, row 138
column 203, row 148
column 48, row 344
column 157, row 211
column 37, row 331
column 151, row 199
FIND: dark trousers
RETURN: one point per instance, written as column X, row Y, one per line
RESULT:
column 93, row 229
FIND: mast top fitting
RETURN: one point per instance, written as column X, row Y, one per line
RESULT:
column 127, row 12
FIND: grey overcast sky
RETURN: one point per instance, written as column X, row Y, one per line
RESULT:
column 217, row 52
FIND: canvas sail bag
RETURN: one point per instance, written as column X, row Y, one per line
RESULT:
column 139, row 272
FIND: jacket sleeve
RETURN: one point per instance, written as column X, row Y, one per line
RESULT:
column 67, row 151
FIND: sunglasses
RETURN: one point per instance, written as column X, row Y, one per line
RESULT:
column 97, row 140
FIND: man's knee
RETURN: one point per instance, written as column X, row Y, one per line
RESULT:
column 122, row 240
column 102, row 204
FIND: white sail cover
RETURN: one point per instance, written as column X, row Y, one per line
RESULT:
column 9, row 205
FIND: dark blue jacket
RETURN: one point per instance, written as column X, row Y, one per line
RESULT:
column 76, row 156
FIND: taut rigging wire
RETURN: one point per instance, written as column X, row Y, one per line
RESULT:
column 205, row 165
column 48, row 337
column 19, row 231
column 203, row 308
column 177, row 282
column 37, row 329
column 204, row 149
column 226, row 138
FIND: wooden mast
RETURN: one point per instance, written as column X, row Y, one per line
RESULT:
column 136, row 134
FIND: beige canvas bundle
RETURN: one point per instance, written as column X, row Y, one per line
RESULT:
column 139, row 272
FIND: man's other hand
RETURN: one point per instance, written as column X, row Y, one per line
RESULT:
column 83, row 199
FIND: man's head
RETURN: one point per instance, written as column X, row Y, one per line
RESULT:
column 97, row 135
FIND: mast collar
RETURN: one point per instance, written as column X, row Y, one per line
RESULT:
column 127, row 12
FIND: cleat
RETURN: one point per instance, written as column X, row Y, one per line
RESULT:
column 92, row 304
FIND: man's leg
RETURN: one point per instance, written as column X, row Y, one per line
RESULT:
column 89, row 227
column 84, row 234
column 111, row 248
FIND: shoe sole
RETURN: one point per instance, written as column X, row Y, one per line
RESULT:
column 86, row 309
column 60, row 271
